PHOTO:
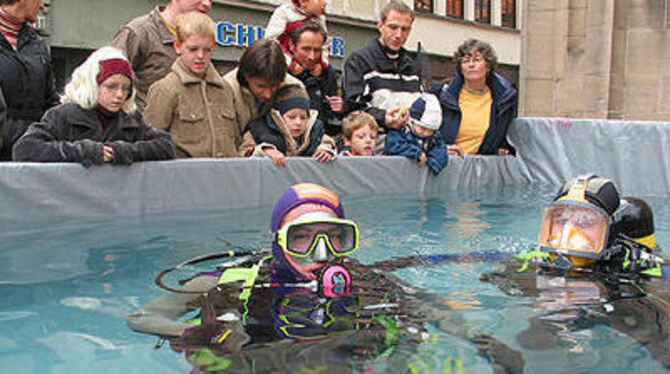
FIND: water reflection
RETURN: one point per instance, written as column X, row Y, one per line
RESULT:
column 571, row 311
column 468, row 223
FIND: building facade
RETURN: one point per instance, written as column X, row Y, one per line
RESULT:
column 74, row 28
column 596, row 59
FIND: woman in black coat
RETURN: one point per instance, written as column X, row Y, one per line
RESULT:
column 97, row 122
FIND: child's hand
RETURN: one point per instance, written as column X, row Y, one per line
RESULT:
column 336, row 103
column 396, row 118
column 423, row 159
column 107, row 153
column 296, row 68
column 322, row 155
column 277, row 157
column 317, row 70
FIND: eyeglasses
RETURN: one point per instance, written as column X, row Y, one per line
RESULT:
column 118, row 86
column 299, row 239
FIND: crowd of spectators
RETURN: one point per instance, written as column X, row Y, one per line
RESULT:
column 154, row 94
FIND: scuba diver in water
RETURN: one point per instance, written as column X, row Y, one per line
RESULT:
column 597, row 263
column 306, row 305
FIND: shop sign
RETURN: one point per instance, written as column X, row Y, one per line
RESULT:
column 240, row 35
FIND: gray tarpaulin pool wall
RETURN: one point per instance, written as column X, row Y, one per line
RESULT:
column 633, row 154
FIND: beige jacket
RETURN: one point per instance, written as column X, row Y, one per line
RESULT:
column 245, row 103
column 246, row 109
column 198, row 113
column 293, row 147
column 149, row 46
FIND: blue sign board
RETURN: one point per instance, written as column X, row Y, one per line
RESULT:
column 240, row 35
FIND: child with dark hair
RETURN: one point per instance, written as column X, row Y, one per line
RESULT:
column 419, row 139
column 287, row 17
column 291, row 129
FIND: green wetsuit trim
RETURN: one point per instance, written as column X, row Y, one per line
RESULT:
column 248, row 276
column 391, row 328
column 653, row 272
column 205, row 358
column 526, row 257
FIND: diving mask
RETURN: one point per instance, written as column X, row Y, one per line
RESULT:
column 318, row 235
column 573, row 228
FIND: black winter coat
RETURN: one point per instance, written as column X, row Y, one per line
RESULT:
column 69, row 133
column 26, row 84
column 317, row 89
column 266, row 130
column 368, row 71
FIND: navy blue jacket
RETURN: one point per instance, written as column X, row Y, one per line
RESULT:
column 503, row 110
column 266, row 130
column 404, row 142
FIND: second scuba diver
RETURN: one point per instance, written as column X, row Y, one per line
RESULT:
column 597, row 263
column 306, row 305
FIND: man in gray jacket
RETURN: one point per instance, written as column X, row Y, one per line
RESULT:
column 148, row 42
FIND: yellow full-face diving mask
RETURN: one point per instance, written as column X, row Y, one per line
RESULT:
column 574, row 229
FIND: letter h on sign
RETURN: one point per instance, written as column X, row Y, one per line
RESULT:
column 238, row 35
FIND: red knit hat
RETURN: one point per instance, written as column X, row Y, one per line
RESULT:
column 114, row 66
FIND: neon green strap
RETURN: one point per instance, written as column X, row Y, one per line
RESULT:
column 653, row 272
column 247, row 275
column 527, row 257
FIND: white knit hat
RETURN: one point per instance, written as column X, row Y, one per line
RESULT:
column 426, row 112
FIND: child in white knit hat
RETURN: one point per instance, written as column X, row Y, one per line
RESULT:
column 419, row 139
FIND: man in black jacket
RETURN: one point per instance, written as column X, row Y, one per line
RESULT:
column 382, row 78
column 26, row 78
column 320, row 81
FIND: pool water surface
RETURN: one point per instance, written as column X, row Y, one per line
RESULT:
column 66, row 286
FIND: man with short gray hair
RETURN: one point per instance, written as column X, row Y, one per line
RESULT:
column 148, row 42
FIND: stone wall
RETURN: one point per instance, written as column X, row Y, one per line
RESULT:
column 596, row 59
